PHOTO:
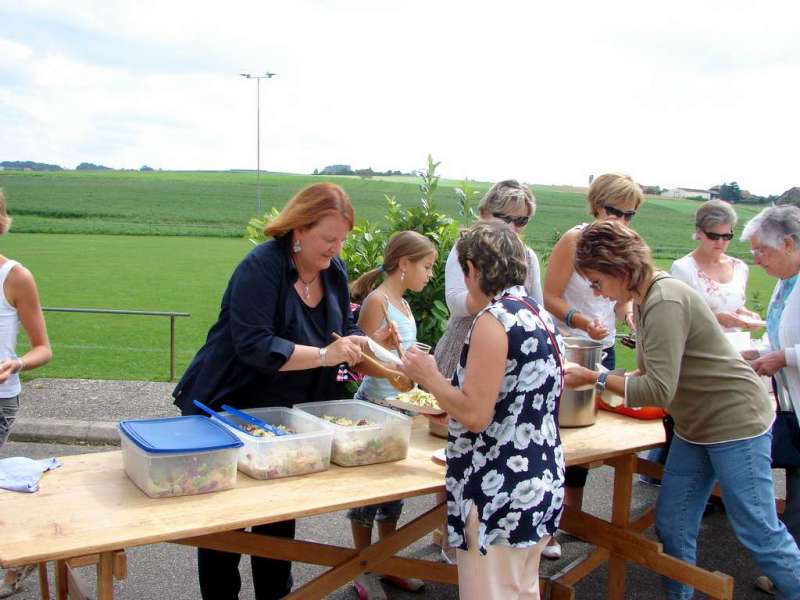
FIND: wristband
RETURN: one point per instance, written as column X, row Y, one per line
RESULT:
column 22, row 365
column 323, row 353
column 568, row 317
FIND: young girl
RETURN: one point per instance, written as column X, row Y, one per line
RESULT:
column 407, row 265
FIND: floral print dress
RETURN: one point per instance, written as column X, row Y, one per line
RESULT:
column 512, row 472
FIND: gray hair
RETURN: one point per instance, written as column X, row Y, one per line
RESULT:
column 714, row 213
column 773, row 224
column 508, row 194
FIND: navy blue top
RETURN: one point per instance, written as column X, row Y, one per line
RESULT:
column 512, row 473
column 261, row 319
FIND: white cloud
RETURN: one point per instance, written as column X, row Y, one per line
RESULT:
column 680, row 94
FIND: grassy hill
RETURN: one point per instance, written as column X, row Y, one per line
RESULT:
column 168, row 241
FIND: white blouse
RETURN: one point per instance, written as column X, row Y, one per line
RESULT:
column 720, row 297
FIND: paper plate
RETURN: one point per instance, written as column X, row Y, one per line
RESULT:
column 423, row 410
column 382, row 354
column 439, row 456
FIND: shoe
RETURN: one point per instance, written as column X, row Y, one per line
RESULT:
column 8, row 589
column 552, row 550
column 764, row 584
column 369, row 587
column 409, row 584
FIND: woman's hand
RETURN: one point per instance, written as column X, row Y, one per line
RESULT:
column 345, row 350
column 419, row 366
column 577, row 376
column 769, row 364
column 728, row 319
column 630, row 321
column 387, row 335
column 596, row 330
column 749, row 354
column 442, row 419
column 8, row 367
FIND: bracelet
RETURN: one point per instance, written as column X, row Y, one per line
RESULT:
column 22, row 365
column 323, row 352
column 568, row 317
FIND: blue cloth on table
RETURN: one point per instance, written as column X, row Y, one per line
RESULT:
column 20, row 474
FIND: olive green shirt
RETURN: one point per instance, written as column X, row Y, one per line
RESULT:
column 688, row 367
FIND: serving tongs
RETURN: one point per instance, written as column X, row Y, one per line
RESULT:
column 397, row 380
column 252, row 420
column 212, row 413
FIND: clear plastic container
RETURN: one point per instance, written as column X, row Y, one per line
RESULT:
column 307, row 449
column 179, row 456
column 383, row 439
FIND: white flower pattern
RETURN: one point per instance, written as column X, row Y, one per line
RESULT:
column 513, row 471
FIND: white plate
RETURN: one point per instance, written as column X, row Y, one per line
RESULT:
column 382, row 354
column 440, row 456
column 424, row 410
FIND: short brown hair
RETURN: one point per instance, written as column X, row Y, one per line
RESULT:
column 611, row 248
column 410, row 244
column 5, row 220
column 613, row 189
column 308, row 206
column 498, row 254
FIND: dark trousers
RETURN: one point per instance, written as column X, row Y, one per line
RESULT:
column 219, row 571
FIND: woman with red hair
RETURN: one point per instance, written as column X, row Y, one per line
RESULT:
column 272, row 345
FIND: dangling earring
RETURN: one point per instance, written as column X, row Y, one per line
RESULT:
column 402, row 275
column 296, row 247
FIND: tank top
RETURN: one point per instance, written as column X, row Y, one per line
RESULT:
column 375, row 389
column 580, row 296
column 9, row 326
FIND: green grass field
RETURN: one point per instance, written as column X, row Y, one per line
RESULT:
column 168, row 241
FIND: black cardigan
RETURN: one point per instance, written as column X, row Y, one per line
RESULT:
column 260, row 321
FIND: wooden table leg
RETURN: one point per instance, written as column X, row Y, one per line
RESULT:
column 62, row 585
column 624, row 468
column 105, row 576
column 44, row 583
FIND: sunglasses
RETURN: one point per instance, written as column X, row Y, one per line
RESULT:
column 718, row 236
column 621, row 214
column 518, row 221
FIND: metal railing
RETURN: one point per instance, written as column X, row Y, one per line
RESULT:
column 146, row 313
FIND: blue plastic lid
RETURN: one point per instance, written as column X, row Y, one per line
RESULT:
column 193, row 433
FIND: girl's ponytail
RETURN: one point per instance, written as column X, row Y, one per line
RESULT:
column 362, row 286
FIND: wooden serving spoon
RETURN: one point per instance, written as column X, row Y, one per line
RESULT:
column 396, row 378
column 385, row 308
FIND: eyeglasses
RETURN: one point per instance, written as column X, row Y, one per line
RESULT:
column 621, row 214
column 595, row 285
column 718, row 236
column 518, row 221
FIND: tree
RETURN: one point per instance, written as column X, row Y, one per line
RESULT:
column 316, row 172
column 730, row 192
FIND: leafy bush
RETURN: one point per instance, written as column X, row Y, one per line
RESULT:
column 363, row 250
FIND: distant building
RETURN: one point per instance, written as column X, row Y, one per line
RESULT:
column 714, row 191
column 682, row 192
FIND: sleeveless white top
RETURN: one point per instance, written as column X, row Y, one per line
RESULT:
column 579, row 295
column 9, row 326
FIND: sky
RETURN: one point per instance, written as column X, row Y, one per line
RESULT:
column 675, row 93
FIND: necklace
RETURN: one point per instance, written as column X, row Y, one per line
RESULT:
column 307, row 284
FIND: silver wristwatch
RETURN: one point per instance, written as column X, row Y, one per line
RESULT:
column 600, row 384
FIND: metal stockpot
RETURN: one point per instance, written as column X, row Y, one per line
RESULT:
column 578, row 407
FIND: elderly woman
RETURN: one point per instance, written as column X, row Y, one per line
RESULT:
column 720, row 279
column 578, row 312
column 774, row 236
column 510, row 202
column 722, row 412
column 505, row 465
column 272, row 346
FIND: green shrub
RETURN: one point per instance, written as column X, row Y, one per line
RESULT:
column 363, row 250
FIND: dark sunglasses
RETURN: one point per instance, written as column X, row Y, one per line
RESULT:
column 518, row 221
column 622, row 214
column 718, row 236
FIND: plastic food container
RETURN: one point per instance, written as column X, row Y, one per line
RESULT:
column 386, row 438
column 306, row 450
column 179, row 456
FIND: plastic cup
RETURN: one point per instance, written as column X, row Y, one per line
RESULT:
column 423, row 347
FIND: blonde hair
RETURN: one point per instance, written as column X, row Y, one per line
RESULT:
column 308, row 206
column 613, row 249
column 508, row 194
column 5, row 220
column 409, row 244
column 499, row 256
column 613, row 189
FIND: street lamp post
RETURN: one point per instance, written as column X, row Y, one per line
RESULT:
column 258, row 79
